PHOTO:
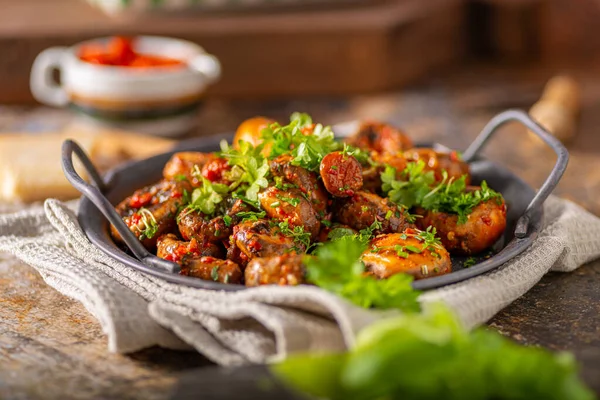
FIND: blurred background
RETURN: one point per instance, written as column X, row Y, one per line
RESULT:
column 438, row 68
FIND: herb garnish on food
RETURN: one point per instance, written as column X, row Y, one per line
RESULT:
column 416, row 187
column 348, row 278
column 150, row 225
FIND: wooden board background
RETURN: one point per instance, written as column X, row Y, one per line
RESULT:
column 356, row 48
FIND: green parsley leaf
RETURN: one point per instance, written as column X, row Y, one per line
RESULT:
column 251, row 215
column 180, row 177
column 416, row 187
column 290, row 200
column 307, row 150
column 227, row 220
column 337, row 233
column 214, row 273
column 205, row 198
column 469, row 262
column 365, row 235
column 446, row 362
column 250, row 168
column 414, row 184
column 348, row 279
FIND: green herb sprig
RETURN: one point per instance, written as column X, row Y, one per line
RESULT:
column 348, row 278
column 416, row 187
column 250, row 169
column 431, row 356
column 297, row 233
column 150, row 225
column 307, row 150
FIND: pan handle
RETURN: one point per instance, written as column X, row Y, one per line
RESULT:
column 552, row 179
column 95, row 194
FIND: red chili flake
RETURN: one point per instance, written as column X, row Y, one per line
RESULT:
column 255, row 245
column 486, row 220
column 176, row 194
column 208, row 259
column 134, row 219
column 170, row 257
column 213, row 171
column 140, row 200
column 332, row 171
column 349, row 192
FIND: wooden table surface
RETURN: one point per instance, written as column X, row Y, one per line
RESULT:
column 50, row 347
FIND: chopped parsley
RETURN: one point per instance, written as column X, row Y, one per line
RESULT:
column 150, row 225
column 297, row 233
column 306, row 148
column 282, row 185
column 214, row 273
column 249, row 169
column 290, row 200
column 251, row 215
column 180, row 177
column 416, row 187
column 227, row 220
column 469, row 262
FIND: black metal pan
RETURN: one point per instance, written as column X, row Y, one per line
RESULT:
column 524, row 217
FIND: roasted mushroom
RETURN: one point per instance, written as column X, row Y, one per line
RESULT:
column 171, row 248
column 439, row 162
column 212, row 269
column 380, row 137
column 260, row 238
column 150, row 212
column 482, row 228
column 409, row 253
column 292, row 206
column 286, row 269
column 364, row 209
column 302, row 179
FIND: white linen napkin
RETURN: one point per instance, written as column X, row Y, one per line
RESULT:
column 262, row 324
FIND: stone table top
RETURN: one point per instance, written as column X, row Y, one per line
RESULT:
column 51, row 348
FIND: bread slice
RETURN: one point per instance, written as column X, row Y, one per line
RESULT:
column 31, row 165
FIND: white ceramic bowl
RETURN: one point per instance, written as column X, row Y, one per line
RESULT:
column 157, row 100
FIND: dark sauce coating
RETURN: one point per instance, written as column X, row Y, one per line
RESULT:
column 161, row 200
column 212, row 269
column 290, row 205
column 363, row 209
column 260, row 238
column 306, row 181
column 171, row 248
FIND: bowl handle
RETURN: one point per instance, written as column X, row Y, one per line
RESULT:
column 41, row 82
column 208, row 65
column 551, row 181
column 95, row 194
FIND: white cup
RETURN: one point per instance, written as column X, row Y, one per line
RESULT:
column 155, row 100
